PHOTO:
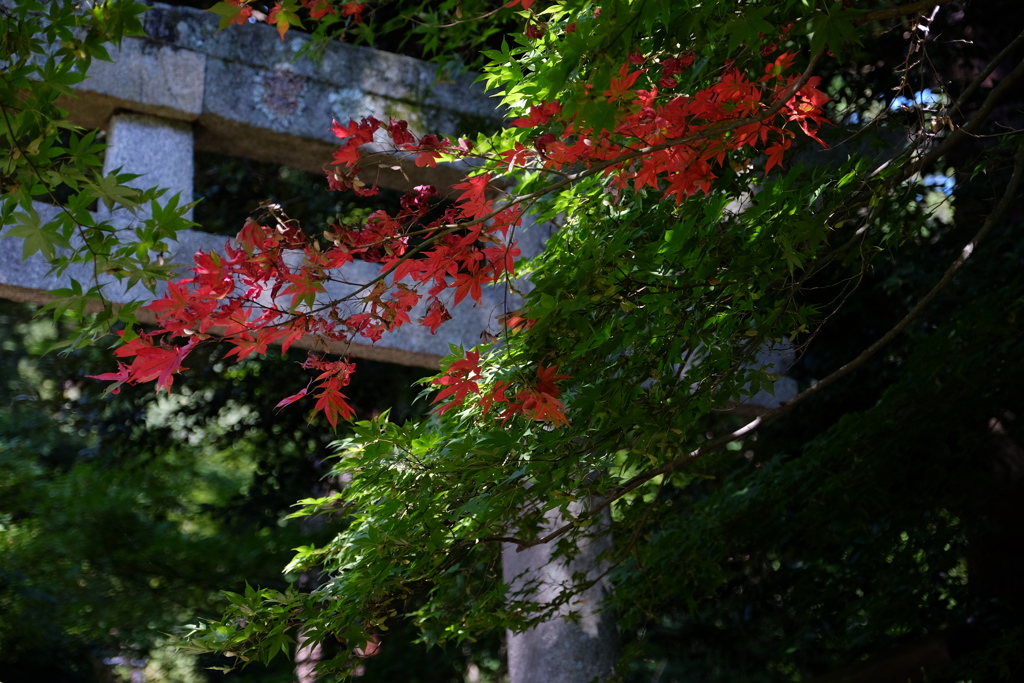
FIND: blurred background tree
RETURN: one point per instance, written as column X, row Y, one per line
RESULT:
column 124, row 516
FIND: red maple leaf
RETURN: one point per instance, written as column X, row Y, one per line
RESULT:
column 318, row 9
column 400, row 134
column 546, row 378
column 154, row 362
column 293, row 398
column 362, row 131
column 534, row 31
column 496, row 394
column 332, row 402
column 502, row 258
column 304, row 285
column 354, row 10
column 546, row 408
column 468, row 365
column 775, row 153
column 243, row 14
column 539, row 115
column 436, row 316
column 471, row 284
column 122, row 375
column 175, row 303
column 459, row 387
column 619, row 88
column 472, row 201
column 347, row 153
column 458, row 381
column 275, row 17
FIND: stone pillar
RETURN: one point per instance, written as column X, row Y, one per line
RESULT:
column 586, row 649
column 561, row 650
column 159, row 150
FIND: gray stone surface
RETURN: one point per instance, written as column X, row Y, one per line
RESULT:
column 158, row 150
column 147, row 77
column 580, row 649
column 391, row 76
column 250, row 96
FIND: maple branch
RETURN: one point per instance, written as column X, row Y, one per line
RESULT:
column 456, row 23
column 444, row 231
column 568, row 179
column 721, row 440
column 710, row 131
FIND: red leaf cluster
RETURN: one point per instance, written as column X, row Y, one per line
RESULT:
column 538, row 402
column 273, row 284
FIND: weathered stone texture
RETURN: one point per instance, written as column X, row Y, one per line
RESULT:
column 250, row 96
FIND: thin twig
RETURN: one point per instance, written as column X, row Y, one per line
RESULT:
column 960, row 134
column 943, row 148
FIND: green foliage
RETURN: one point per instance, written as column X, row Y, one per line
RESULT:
column 451, row 33
column 124, row 517
column 656, row 311
column 52, row 176
column 870, row 515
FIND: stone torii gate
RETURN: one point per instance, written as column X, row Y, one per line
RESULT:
column 243, row 93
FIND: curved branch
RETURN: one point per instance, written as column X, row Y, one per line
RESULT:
column 716, row 443
column 947, row 277
column 943, row 148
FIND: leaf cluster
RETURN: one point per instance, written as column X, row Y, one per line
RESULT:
column 54, row 195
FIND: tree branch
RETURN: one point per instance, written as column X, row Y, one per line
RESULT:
column 711, row 131
column 947, row 277
column 916, row 167
column 958, row 135
column 718, row 442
